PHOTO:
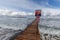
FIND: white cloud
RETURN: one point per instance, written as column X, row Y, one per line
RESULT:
column 12, row 13
column 25, row 4
column 51, row 11
column 45, row 11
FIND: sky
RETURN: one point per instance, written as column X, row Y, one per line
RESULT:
column 25, row 7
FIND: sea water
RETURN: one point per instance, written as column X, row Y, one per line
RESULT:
column 49, row 28
column 9, row 26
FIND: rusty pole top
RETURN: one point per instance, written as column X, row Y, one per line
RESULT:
column 37, row 13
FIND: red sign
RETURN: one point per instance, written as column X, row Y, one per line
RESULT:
column 37, row 12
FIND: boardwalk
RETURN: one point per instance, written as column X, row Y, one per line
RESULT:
column 31, row 32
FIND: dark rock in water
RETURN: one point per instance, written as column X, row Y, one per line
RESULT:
column 19, row 30
column 0, row 27
column 45, row 34
column 55, row 36
column 50, row 35
column 14, row 36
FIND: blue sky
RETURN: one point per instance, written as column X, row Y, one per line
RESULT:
column 30, row 5
column 48, row 3
column 23, row 5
